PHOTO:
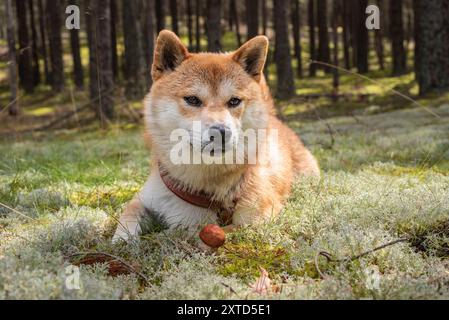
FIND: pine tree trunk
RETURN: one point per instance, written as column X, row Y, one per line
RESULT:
column 235, row 16
column 134, row 61
column 264, row 17
column 91, row 32
column 323, row 33
column 282, row 58
column 25, row 62
column 360, row 36
column 432, row 36
column 213, row 25
column 397, row 38
column 346, row 34
column 12, row 59
column 229, row 17
column 43, row 48
column 198, row 25
column 311, row 18
column 78, row 73
column 335, row 73
column 114, row 17
column 148, row 39
column 100, row 59
column 378, row 38
column 252, row 18
column 55, row 11
column 296, row 23
column 174, row 15
column 408, row 36
column 160, row 15
column 190, row 23
column 34, row 47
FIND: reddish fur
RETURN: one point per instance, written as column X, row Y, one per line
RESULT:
column 265, row 187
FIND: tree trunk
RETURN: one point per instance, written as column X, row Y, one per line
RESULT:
column 408, row 36
column 264, row 17
column 55, row 11
column 43, row 48
column 296, row 22
column 114, row 17
column 92, row 44
column 235, row 16
column 311, row 17
column 378, row 38
column 12, row 59
column 160, row 15
column 134, row 60
column 285, row 83
column 190, row 23
column 360, row 35
column 25, row 63
column 174, row 15
column 397, row 38
column 252, row 18
column 78, row 74
column 432, row 36
column 346, row 34
column 34, row 47
column 335, row 73
column 213, row 25
column 148, row 39
column 198, row 25
column 100, row 59
column 323, row 33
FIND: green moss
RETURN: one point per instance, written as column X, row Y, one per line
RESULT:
column 398, row 171
column 384, row 177
column 243, row 260
column 113, row 198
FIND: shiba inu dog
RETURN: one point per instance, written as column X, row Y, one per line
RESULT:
column 225, row 94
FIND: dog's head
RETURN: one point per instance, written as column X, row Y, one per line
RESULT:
column 222, row 95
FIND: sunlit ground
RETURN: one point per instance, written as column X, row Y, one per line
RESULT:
column 385, row 168
column 385, row 176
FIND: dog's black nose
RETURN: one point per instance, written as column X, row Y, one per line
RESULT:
column 217, row 131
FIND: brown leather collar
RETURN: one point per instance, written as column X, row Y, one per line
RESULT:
column 200, row 199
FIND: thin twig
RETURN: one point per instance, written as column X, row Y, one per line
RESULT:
column 10, row 104
column 329, row 130
column 378, row 83
column 64, row 117
column 229, row 287
column 329, row 257
column 16, row 211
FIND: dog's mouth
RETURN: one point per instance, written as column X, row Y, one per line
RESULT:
column 208, row 147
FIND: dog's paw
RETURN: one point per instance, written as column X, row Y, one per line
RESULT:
column 122, row 236
column 204, row 247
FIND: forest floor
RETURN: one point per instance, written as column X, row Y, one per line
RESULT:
column 384, row 177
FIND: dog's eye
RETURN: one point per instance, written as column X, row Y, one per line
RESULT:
column 234, row 102
column 193, row 101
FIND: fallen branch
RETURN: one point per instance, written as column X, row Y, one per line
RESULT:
column 380, row 84
column 116, row 264
column 61, row 118
column 313, row 96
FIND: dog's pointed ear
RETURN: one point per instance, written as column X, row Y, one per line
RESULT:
column 252, row 56
column 168, row 54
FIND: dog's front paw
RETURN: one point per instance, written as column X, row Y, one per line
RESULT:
column 123, row 234
column 204, row 247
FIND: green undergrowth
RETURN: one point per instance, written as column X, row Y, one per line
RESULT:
column 384, row 177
